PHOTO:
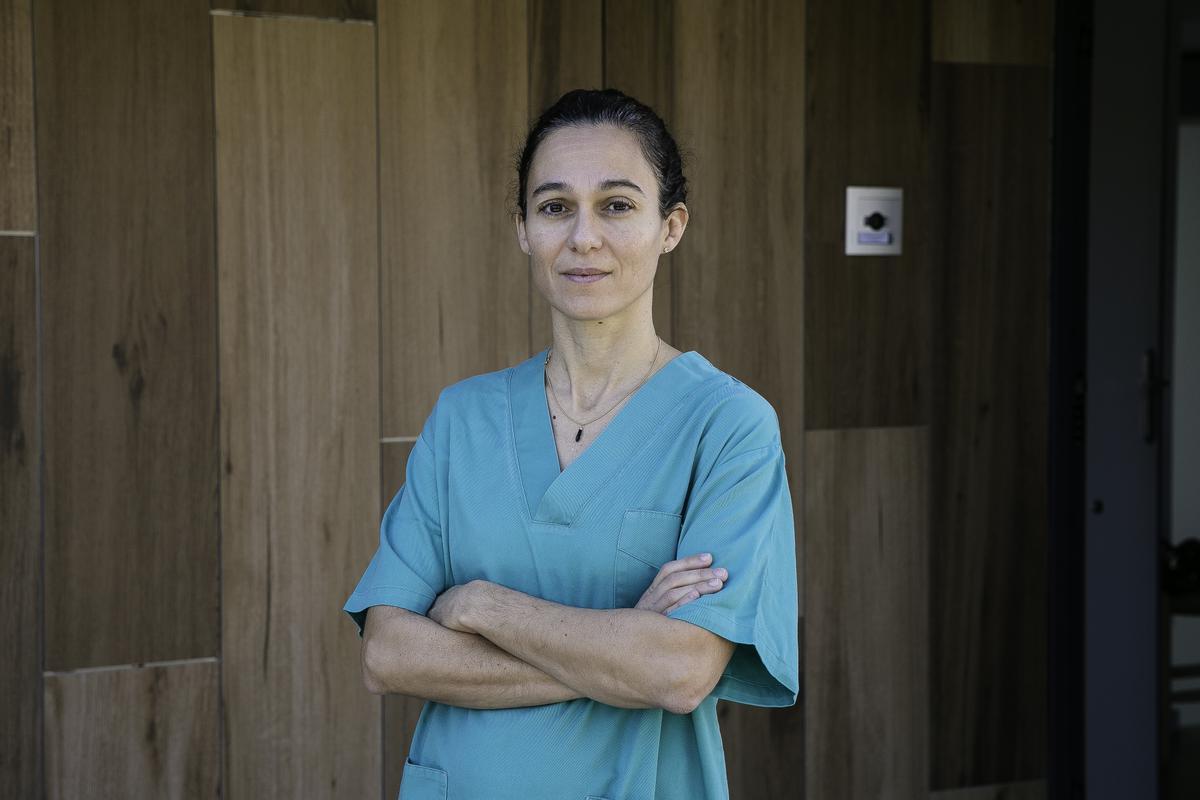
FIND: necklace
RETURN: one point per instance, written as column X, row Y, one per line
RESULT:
column 554, row 394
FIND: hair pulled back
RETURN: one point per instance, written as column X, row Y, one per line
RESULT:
column 610, row 107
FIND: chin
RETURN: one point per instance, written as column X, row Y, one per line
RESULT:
column 587, row 310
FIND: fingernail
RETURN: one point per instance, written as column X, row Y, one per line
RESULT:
column 714, row 582
column 720, row 573
column 705, row 556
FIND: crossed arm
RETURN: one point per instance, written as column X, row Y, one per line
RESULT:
column 487, row 646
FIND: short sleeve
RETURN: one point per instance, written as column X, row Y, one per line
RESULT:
column 407, row 570
column 741, row 512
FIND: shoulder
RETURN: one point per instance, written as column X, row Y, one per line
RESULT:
column 734, row 418
column 476, row 389
column 475, row 397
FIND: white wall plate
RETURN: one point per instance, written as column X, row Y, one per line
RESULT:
column 874, row 220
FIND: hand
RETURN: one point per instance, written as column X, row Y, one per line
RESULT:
column 451, row 607
column 682, row 581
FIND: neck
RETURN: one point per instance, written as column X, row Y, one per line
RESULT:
column 592, row 362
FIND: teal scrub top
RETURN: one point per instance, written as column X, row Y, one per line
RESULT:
column 692, row 463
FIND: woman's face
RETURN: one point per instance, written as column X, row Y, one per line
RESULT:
column 592, row 207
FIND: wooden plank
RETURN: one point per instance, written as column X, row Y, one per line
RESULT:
column 1023, row 790
column 564, row 53
column 296, row 172
column 18, row 206
column 989, row 518
column 737, row 278
column 124, row 129
column 866, row 639
column 134, row 732
column 639, row 51
column 564, row 49
column 453, row 104
column 993, row 31
column 867, row 317
column 400, row 713
column 324, row 9
column 21, row 523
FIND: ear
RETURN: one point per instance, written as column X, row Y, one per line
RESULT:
column 676, row 222
column 522, row 239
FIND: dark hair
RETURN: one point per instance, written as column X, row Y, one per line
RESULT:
column 610, row 107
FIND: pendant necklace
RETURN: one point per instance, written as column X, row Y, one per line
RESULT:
column 554, row 394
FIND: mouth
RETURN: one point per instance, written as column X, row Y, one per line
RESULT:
column 584, row 275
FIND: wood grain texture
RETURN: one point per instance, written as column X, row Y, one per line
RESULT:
column 296, row 170
column 993, row 31
column 453, row 105
column 124, row 129
column 129, row 732
column 565, row 52
column 867, row 335
column 736, row 281
column 866, row 636
column 400, row 712
column 564, row 49
column 989, row 518
column 325, row 9
column 21, row 524
column 1024, row 790
column 18, row 207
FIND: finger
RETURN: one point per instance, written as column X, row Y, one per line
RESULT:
column 687, row 598
column 693, row 576
column 656, row 597
column 704, row 587
column 697, row 561
column 658, row 601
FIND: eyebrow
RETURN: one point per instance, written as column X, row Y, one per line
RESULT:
column 611, row 183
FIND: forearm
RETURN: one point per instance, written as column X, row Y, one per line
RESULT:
column 626, row 657
column 406, row 653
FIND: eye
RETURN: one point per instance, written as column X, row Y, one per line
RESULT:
column 553, row 208
column 620, row 206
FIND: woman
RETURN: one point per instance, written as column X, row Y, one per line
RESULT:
column 593, row 546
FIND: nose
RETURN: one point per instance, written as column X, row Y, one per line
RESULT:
column 585, row 236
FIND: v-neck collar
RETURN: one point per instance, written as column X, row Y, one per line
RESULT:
column 556, row 496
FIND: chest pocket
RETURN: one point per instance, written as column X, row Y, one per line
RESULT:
column 647, row 540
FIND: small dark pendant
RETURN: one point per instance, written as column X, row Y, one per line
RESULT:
column 579, row 435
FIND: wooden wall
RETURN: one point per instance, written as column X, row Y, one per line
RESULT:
column 926, row 401
column 236, row 270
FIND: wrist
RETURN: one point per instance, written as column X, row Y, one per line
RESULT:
column 475, row 610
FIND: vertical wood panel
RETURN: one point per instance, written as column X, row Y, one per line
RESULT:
column 124, row 127
column 639, row 51
column 337, row 9
column 564, row 49
column 149, row 732
column 299, row 400
column 400, row 713
column 20, row 525
column 453, row 103
column 17, row 206
column 866, row 638
column 737, row 278
column 993, row 31
column 866, row 317
column 989, row 523
column 565, row 52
